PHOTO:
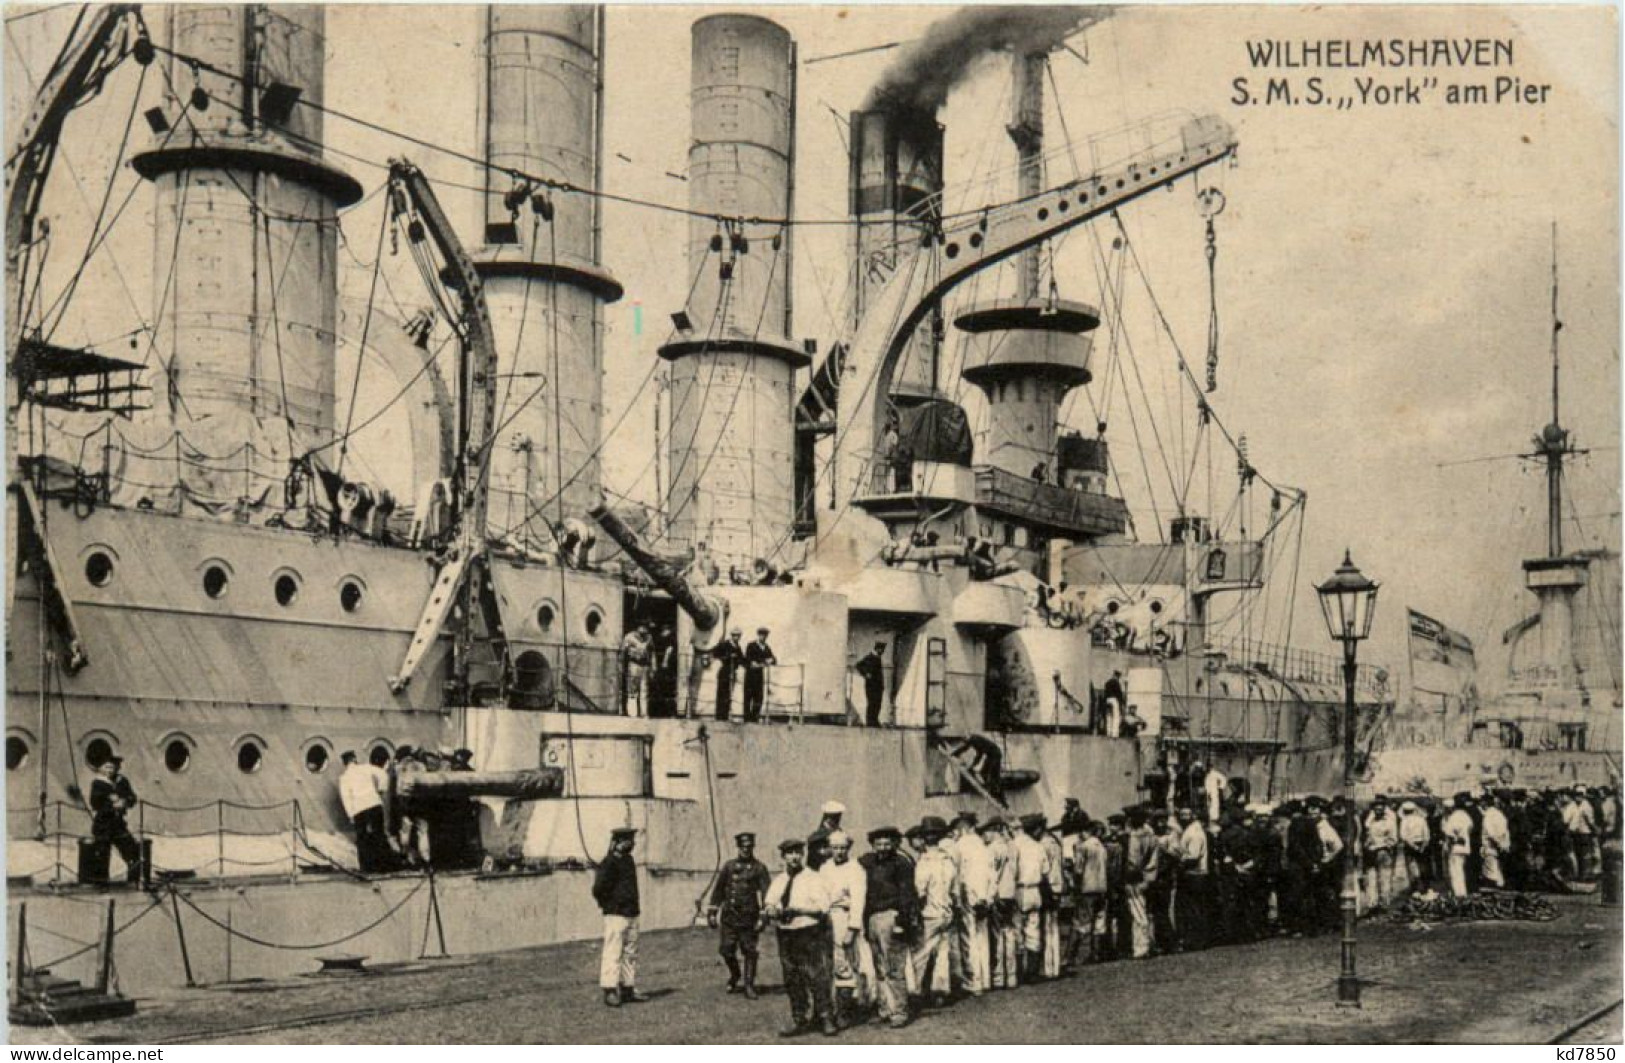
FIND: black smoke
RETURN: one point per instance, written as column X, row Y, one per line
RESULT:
column 928, row 69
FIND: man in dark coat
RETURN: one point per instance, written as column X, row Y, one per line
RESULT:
column 729, row 655
column 891, row 919
column 615, row 888
column 759, row 657
column 111, row 796
column 736, row 909
column 873, row 670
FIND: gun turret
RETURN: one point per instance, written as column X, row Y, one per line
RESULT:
column 707, row 612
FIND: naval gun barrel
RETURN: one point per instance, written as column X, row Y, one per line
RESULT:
column 708, row 613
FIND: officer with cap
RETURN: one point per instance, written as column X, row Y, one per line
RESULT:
column 798, row 901
column 736, row 908
column 111, row 796
column 615, row 888
column 730, row 656
column 759, row 656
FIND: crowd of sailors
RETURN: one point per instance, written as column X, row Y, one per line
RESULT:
column 938, row 911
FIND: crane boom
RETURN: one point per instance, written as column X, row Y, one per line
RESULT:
column 464, row 575
column 971, row 243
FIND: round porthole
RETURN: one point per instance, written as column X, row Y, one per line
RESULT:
column 317, row 758
column 350, row 595
column 1156, row 606
column 99, row 568
column 287, row 589
column 16, row 753
column 250, row 757
column 215, row 581
column 544, row 618
column 177, row 755
column 97, row 752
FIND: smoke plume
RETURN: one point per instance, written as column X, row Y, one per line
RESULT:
column 927, row 69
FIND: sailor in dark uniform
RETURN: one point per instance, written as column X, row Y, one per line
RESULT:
column 736, row 910
column 111, row 795
column 729, row 655
column 758, row 657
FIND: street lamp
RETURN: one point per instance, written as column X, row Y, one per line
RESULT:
column 1349, row 601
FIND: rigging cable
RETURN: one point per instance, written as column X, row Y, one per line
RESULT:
column 62, row 299
column 361, row 349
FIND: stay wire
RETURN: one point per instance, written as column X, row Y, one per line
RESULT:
column 361, row 349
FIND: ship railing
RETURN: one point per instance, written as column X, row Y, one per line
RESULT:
column 785, row 693
column 1305, row 666
column 247, row 839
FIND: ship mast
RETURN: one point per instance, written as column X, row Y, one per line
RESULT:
column 1553, row 442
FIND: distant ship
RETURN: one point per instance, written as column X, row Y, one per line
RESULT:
column 1553, row 719
column 205, row 590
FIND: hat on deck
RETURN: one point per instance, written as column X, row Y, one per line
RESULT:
column 885, row 832
column 623, row 832
column 744, row 836
column 792, row 845
column 967, row 816
column 1033, row 821
column 931, row 827
column 833, row 808
column 993, row 824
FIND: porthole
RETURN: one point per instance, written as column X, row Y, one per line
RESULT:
column 1043, row 214
column 1064, row 205
column 350, row 595
column 98, row 751
column 544, row 618
column 1113, row 606
column 250, row 757
column 378, row 756
column 1156, row 607
column 317, row 757
column 215, row 581
column 595, row 620
column 17, row 752
column 99, row 568
column 976, row 239
column 286, row 589
column 952, row 250
column 177, row 755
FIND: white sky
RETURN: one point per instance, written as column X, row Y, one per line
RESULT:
column 1383, row 273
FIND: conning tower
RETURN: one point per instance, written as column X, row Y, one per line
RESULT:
column 732, row 369
column 542, row 116
column 246, row 236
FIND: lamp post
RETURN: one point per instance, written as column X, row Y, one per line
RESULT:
column 1349, row 601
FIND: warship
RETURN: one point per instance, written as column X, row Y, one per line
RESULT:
column 1551, row 716
column 204, row 587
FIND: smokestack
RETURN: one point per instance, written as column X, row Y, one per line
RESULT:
column 896, row 202
column 731, row 442
column 542, row 115
column 246, row 237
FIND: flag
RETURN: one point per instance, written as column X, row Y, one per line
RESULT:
column 1442, row 660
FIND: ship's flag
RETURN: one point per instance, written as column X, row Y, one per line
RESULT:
column 1442, row 661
